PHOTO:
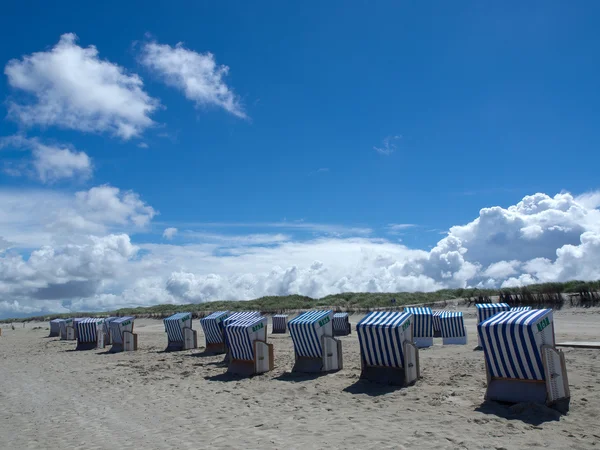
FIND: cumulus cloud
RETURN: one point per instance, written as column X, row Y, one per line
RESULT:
column 71, row 87
column 196, row 74
column 496, row 249
column 51, row 163
column 169, row 233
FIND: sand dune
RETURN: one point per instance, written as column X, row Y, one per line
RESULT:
column 54, row 397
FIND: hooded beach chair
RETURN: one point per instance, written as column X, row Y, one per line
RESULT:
column 387, row 352
column 106, row 330
column 435, row 320
column 90, row 333
column 341, row 324
column 487, row 310
column 520, row 308
column 315, row 348
column 521, row 361
column 122, row 335
column 233, row 318
column 180, row 335
column 67, row 331
column 54, row 328
column 422, row 326
column 280, row 322
column 453, row 328
column 212, row 325
column 249, row 352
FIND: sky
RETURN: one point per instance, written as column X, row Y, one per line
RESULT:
column 198, row 151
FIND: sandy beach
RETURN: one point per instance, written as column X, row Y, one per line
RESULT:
column 54, row 397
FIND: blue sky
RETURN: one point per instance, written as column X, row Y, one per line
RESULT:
column 471, row 105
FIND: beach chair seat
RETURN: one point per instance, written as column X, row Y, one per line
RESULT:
column 122, row 336
column 315, row 348
column 422, row 326
column 522, row 363
column 341, row 324
column 279, row 324
column 453, row 328
column 180, row 335
column 388, row 354
column 249, row 353
column 487, row 310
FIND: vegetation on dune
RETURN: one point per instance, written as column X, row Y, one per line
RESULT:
column 578, row 293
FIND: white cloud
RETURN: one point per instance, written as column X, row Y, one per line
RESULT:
column 196, row 74
column 170, row 233
column 105, row 270
column 388, row 146
column 71, row 87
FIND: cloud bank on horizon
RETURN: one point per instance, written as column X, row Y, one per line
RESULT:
column 100, row 248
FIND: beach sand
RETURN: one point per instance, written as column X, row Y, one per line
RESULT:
column 54, row 397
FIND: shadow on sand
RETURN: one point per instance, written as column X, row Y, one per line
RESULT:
column 371, row 388
column 298, row 377
column 530, row 413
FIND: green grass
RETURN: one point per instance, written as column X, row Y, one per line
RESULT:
column 359, row 301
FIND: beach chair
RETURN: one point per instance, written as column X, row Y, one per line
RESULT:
column 521, row 361
column 453, row 328
column 233, row 318
column 76, row 320
column 122, row 335
column 249, row 351
column 67, row 332
column 54, row 328
column 422, row 326
column 213, row 332
column 180, row 335
column 280, row 322
column 341, row 324
column 520, row 308
column 106, row 331
column 387, row 352
column 435, row 320
column 487, row 310
column 87, row 333
column 315, row 348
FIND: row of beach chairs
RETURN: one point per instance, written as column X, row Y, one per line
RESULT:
column 521, row 360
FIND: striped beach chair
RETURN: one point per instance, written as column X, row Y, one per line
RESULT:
column 315, row 348
column 54, row 328
column 122, row 335
column 180, row 335
column 522, row 363
column 341, row 324
column 249, row 351
column 453, row 328
column 520, row 308
column 72, row 328
column 422, row 326
column 435, row 320
column 487, row 310
column 387, row 351
column 279, row 323
column 87, row 333
column 233, row 318
column 106, row 330
column 212, row 325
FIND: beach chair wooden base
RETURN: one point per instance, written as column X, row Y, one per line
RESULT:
column 395, row 376
column 190, row 341
column 553, row 391
column 52, row 333
column 423, row 342
column 129, row 344
column 263, row 361
column 331, row 360
column 455, row 340
column 175, row 346
column 279, row 331
column 216, row 349
column 86, row 345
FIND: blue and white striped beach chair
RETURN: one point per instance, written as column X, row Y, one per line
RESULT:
column 73, row 325
column 249, row 351
column 212, row 325
column 315, row 348
column 453, row 328
column 341, row 324
column 437, row 326
column 520, row 308
column 487, row 310
column 521, row 360
column 54, row 328
column 233, row 318
column 387, row 352
column 180, row 335
column 279, row 323
column 422, row 326
column 87, row 333
column 122, row 335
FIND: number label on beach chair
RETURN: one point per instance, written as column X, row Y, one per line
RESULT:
column 405, row 325
column 324, row 321
column 543, row 324
column 257, row 327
